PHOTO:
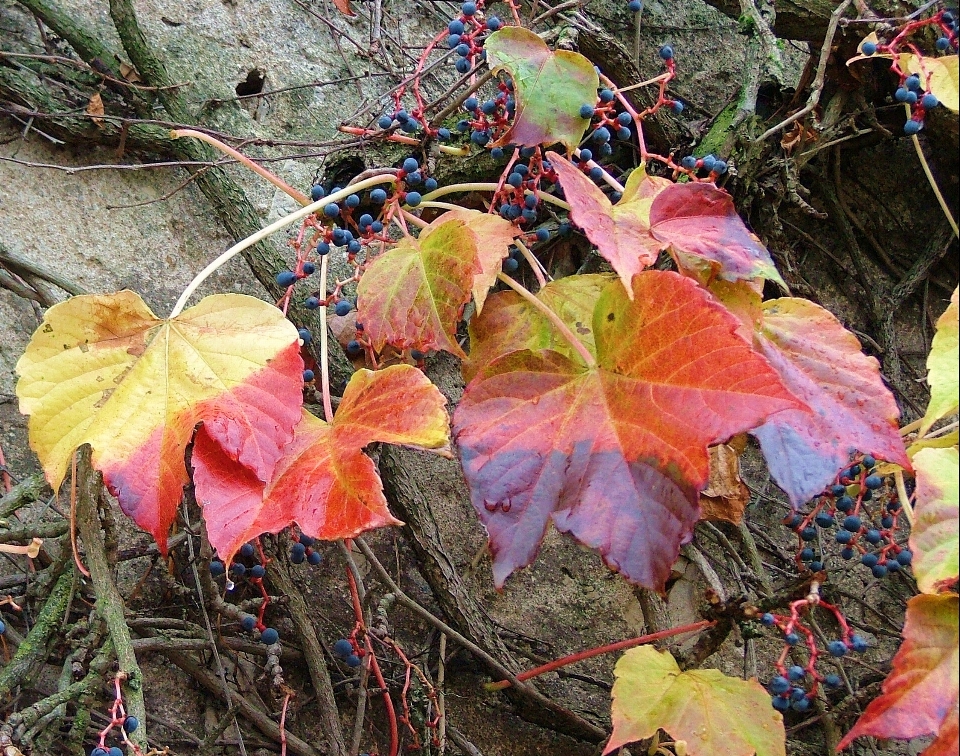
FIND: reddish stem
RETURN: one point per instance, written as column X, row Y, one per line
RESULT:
column 590, row 653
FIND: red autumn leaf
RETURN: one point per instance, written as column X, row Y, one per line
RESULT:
column 621, row 232
column 323, row 481
column 106, row 371
column 821, row 363
column 613, row 454
column 920, row 695
column 701, row 223
column 412, row 295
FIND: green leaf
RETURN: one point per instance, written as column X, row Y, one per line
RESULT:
column 716, row 715
column 934, row 539
column 549, row 87
column 942, row 366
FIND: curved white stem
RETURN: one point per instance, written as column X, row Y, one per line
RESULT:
column 263, row 233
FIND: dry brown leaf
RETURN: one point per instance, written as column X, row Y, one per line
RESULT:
column 725, row 496
column 129, row 73
column 95, row 108
column 344, row 7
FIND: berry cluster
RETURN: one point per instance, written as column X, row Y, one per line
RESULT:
column 713, row 166
column 489, row 119
column 349, row 652
column 242, row 569
column 863, row 509
column 519, row 192
column 914, row 88
column 795, row 686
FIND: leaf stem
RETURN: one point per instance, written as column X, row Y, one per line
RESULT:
column 933, row 182
column 324, row 361
column 553, row 318
column 413, row 219
column 904, row 496
column 237, row 155
column 609, row 648
column 537, row 266
column 277, row 225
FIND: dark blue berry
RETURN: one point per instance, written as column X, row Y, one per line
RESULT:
column 666, row 52
column 384, row 122
column 601, row 135
column 708, row 161
column 586, row 111
column 307, row 375
column 332, row 210
column 837, row 648
column 779, row 684
column 780, row 703
column 316, row 191
column 893, row 566
column 677, row 107
column 99, row 752
column 843, row 537
column 314, row 558
column 868, row 461
column 606, row 95
column 859, row 644
column 542, row 234
column 911, row 127
column 905, row 557
column 807, row 555
column 869, row 560
column 816, row 566
column 912, row 83
column 719, row 167
column 929, row 101
column 354, row 348
column 801, row 704
column 796, row 672
column 879, row 570
column 510, row 265
column 943, row 43
column 873, row 536
column 414, row 199
column 455, row 26
column 217, row 568
column 624, row 119
column 596, row 173
column 378, row 196
column 824, row 519
column 768, row 620
column 443, row 134
column 342, row 648
column 352, row 661
column 248, row 623
column 468, row 9
column 430, row 184
column 515, row 180
column 852, row 523
column 791, row 639
column 494, row 23
column 257, row 571
column 586, row 155
column 269, row 636
column 343, row 307
column 832, row 681
column 845, row 503
column 635, row 6
column 305, row 335
column 847, row 553
column 247, row 550
column 311, row 303
column 286, row 278
column 308, row 268
column 873, row 482
column 115, row 751
column 623, row 134
column 838, row 490
column 886, row 522
column 410, row 125
column 868, row 48
column 238, row 569
column 497, row 153
column 480, row 138
column 463, row 66
column 809, row 533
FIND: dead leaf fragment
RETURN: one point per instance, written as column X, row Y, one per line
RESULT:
column 95, row 108
column 725, row 496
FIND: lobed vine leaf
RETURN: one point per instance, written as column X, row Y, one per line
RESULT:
column 493, row 236
column 935, row 537
column 698, row 220
column 105, row 371
column 715, row 714
column 821, row 363
column 323, row 481
column 613, row 454
column 621, row 232
column 511, row 323
column 412, row 296
column 920, row 695
column 550, row 86
column 701, row 223
column 943, row 374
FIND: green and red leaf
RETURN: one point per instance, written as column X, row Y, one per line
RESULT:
column 614, row 454
column 920, row 694
column 493, row 236
column 822, row 364
column 714, row 714
column 935, row 536
column 510, row 323
column 412, row 295
column 550, row 87
column 943, row 366
column 323, row 482
column 106, row 371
